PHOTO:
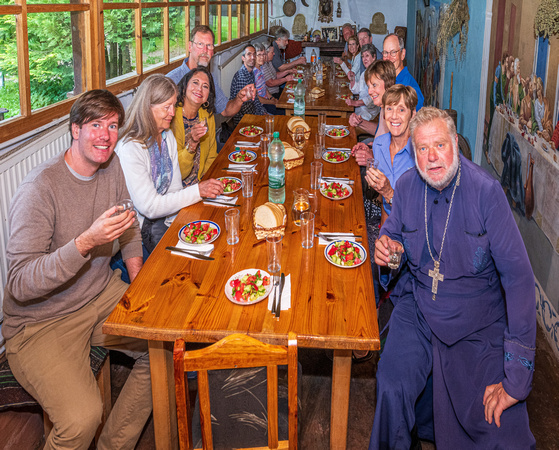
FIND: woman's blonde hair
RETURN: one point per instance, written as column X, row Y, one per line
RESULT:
column 353, row 38
column 140, row 125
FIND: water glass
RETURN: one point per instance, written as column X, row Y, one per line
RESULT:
column 269, row 124
column 248, row 180
column 314, row 202
column 232, row 217
column 307, row 229
column 300, row 204
column 265, row 140
column 317, row 149
column 321, row 123
column 338, row 88
column 395, row 250
column 123, row 206
column 273, row 247
column 316, row 174
column 320, row 140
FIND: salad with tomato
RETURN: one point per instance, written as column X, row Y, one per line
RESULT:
column 345, row 253
column 336, row 156
column 249, row 287
column 230, row 184
column 337, row 132
column 242, row 156
column 198, row 233
column 335, row 190
column 250, row 130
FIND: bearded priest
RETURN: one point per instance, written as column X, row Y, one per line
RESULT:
column 465, row 311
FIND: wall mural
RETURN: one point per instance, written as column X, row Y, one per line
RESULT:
column 427, row 65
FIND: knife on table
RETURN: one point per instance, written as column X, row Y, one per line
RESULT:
column 275, row 286
column 193, row 254
column 211, row 200
column 282, row 282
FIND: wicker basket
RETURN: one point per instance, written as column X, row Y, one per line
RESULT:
column 263, row 233
column 292, row 163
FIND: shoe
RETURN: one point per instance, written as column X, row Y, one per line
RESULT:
column 360, row 359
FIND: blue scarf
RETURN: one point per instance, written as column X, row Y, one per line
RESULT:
column 161, row 165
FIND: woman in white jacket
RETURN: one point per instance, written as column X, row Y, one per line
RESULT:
column 148, row 155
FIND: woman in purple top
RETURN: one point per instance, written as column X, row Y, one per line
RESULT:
column 393, row 150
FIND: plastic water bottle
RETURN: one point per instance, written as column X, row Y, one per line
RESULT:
column 276, row 170
column 319, row 72
column 313, row 57
column 299, row 105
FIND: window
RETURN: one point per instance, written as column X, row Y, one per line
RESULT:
column 53, row 50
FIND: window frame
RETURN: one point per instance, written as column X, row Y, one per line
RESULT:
column 93, row 66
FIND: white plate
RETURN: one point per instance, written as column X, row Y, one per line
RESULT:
column 231, row 178
column 322, row 191
column 362, row 252
column 241, row 274
column 346, row 132
column 244, row 129
column 212, row 225
column 252, row 154
column 325, row 157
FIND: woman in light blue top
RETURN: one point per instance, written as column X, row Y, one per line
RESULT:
column 393, row 150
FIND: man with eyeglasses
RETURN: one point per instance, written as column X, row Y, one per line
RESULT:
column 280, row 43
column 200, row 50
column 245, row 78
column 394, row 51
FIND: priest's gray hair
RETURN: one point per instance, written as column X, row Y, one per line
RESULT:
column 428, row 114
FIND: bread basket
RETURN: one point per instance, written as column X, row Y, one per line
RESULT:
column 307, row 134
column 292, row 163
column 263, row 233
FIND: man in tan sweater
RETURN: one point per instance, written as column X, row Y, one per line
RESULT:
column 60, row 288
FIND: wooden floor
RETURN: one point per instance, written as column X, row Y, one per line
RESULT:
column 23, row 430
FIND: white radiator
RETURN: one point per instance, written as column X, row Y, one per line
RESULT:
column 13, row 169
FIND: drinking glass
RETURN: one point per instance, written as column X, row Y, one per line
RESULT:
column 248, row 179
column 307, row 229
column 300, row 204
column 395, row 250
column 320, row 140
column 122, row 206
column 321, row 123
column 269, row 124
column 265, row 140
column 273, row 247
column 232, row 225
column 317, row 150
column 313, row 202
column 338, row 88
column 316, row 174
column 299, row 138
column 370, row 192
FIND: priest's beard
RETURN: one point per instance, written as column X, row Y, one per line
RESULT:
column 443, row 182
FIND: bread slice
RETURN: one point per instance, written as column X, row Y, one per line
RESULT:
column 278, row 213
column 265, row 216
column 291, row 121
column 290, row 153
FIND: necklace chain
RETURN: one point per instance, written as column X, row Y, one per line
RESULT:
column 435, row 273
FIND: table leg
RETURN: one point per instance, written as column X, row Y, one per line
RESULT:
column 163, row 394
column 341, row 377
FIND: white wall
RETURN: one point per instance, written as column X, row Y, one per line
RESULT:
column 356, row 12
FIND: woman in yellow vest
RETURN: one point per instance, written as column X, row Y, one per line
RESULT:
column 194, row 125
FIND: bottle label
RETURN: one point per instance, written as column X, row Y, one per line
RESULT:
column 276, row 181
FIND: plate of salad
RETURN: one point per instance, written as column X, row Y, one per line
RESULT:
column 248, row 287
column 242, row 156
column 335, row 190
column 337, row 132
column 251, row 130
column 345, row 254
column 345, row 97
column 199, row 232
column 335, row 156
column 230, row 184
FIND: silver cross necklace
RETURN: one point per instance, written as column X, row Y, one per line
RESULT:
column 435, row 274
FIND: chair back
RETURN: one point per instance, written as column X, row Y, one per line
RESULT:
column 236, row 351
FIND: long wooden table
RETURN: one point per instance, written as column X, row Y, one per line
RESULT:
column 331, row 308
column 329, row 103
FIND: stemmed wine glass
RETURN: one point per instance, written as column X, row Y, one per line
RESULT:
column 299, row 138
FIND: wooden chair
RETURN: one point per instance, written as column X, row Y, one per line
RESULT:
column 232, row 352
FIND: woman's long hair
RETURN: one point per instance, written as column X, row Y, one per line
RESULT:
column 210, row 107
column 140, row 125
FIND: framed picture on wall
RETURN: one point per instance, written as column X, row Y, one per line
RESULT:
column 330, row 33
